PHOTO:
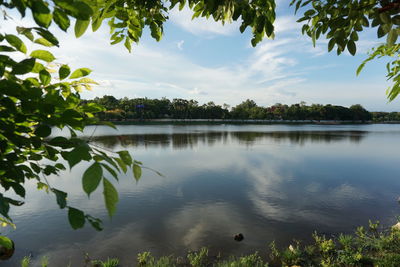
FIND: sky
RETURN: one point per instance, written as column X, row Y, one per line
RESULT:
column 203, row 60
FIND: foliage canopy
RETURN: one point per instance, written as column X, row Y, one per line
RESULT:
column 146, row 109
column 37, row 93
column 341, row 21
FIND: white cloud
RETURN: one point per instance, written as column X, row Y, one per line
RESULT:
column 180, row 44
column 201, row 26
column 196, row 91
column 286, row 24
column 274, row 71
column 156, row 72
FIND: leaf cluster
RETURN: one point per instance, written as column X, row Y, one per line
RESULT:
column 127, row 19
column 342, row 21
column 339, row 21
column 38, row 94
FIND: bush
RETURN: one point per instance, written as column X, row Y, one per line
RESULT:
column 369, row 246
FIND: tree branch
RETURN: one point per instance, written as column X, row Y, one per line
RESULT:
column 393, row 5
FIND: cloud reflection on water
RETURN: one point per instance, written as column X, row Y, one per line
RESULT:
column 268, row 185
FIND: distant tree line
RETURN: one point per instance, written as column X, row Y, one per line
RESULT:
column 145, row 108
column 385, row 116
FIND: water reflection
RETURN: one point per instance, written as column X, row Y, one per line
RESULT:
column 268, row 185
column 190, row 140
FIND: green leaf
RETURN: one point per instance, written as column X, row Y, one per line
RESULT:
column 43, row 42
column 14, row 202
column 95, row 222
column 92, row 108
column 61, row 198
column 91, row 178
column 77, row 155
column 60, row 166
column 77, row 9
column 24, row 66
column 41, row 13
column 107, row 123
column 37, row 68
column 259, row 24
column 156, row 31
column 117, row 39
column 396, row 19
column 385, row 17
column 269, row 28
column 354, row 36
column 351, row 46
column 61, row 19
column 76, row 218
column 43, row 130
column 47, row 35
column 4, row 206
column 309, row 13
column 393, row 92
column 182, row 4
column 254, row 42
column 87, row 80
column 386, row 28
column 43, row 186
column 44, row 77
column 60, row 141
column 27, row 32
column 137, row 171
column 110, row 197
column 18, row 189
column 5, row 48
column 126, row 157
column 242, row 27
column 6, row 242
column 80, row 27
column 96, row 23
column 64, row 71
column 128, row 44
column 80, row 73
column 110, row 170
column 16, row 42
column 380, row 32
column 359, row 69
column 331, row 44
column 392, row 37
column 121, row 164
column 43, row 55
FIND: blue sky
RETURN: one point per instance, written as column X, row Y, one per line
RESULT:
column 206, row 61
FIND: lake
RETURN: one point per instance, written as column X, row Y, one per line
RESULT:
column 269, row 182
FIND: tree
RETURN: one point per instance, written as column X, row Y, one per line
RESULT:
column 242, row 111
column 35, row 96
column 341, row 21
column 108, row 101
column 359, row 113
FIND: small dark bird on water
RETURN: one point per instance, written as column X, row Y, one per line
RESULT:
column 238, row 237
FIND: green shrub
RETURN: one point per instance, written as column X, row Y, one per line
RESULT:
column 368, row 247
column 198, row 259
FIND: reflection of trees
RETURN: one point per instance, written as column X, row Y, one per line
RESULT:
column 299, row 137
column 190, row 140
column 151, row 140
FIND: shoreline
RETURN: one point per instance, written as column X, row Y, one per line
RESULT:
column 230, row 121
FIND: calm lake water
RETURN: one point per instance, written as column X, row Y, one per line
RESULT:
column 269, row 182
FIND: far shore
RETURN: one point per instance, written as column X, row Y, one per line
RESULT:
column 247, row 121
